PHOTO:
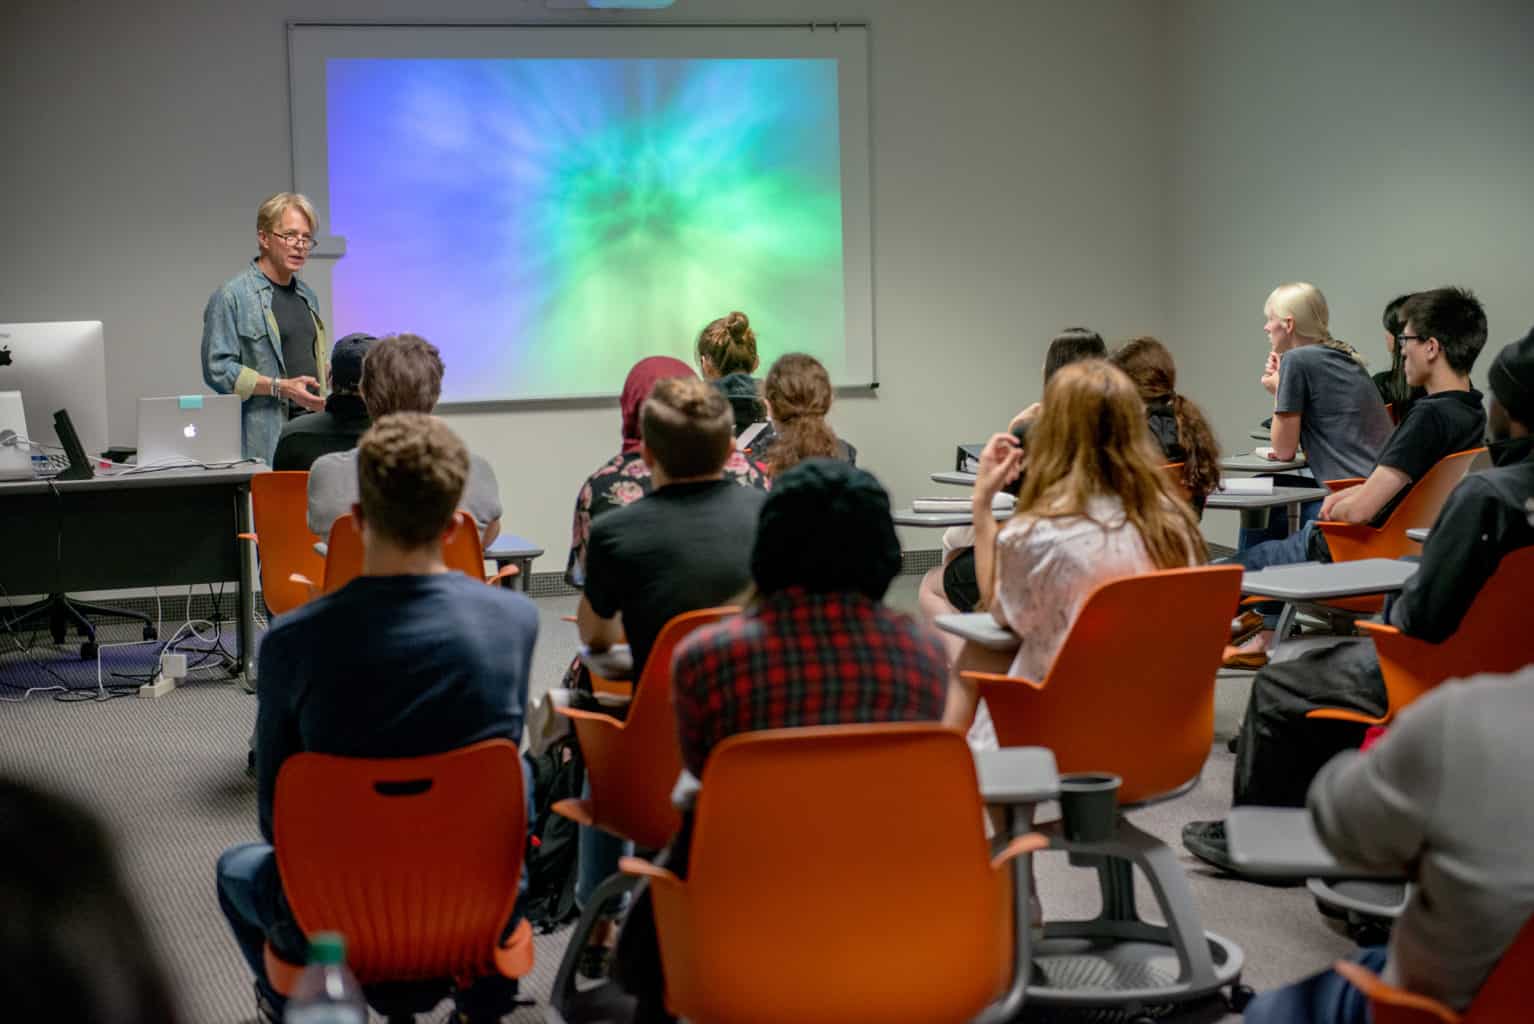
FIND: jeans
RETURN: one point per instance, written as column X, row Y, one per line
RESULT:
column 1287, row 551
column 597, row 859
column 251, row 897
column 1325, row 998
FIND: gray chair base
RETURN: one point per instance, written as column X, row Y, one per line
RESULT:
column 1118, row 961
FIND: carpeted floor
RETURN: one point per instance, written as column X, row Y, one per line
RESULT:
column 167, row 775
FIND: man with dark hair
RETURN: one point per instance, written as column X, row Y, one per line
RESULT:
column 402, row 373
column 1485, row 518
column 686, row 545
column 444, row 664
column 345, row 418
column 817, row 647
column 1445, row 329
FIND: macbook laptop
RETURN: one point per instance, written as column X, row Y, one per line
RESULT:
column 15, row 451
column 189, row 430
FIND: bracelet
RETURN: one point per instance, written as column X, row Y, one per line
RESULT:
column 276, row 387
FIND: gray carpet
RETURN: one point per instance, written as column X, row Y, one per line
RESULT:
column 167, row 776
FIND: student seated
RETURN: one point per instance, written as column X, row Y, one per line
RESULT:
column 625, row 478
column 1441, row 799
column 1393, row 389
column 727, row 358
column 1324, row 400
column 1178, row 425
column 816, row 646
column 1445, row 331
column 1484, row 519
column 73, row 943
column 797, row 396
column 1095, row 505
column 406, row 660
column 951, row 587
column 344, row 419
column 686, row 546
column 402, row 373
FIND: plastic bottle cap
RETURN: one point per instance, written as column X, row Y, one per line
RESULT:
column 327, row 948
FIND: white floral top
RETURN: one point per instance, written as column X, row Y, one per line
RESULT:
column 1045, row 568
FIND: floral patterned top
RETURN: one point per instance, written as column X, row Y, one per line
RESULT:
column 623, row 480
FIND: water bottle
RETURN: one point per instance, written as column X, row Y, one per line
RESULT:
column 327, row 993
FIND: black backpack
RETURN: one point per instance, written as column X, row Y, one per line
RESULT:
column 553, row 840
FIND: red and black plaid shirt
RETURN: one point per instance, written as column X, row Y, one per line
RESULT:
column 803, row 659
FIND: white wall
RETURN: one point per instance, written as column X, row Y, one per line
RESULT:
column 1371, row 148
column 1018, row 165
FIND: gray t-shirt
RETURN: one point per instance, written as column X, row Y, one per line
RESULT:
column 1343, row 422
column 333, row 491
column 1442, row 800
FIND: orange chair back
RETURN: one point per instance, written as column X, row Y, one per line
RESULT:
column 415, row 860
column 1131, row 690
column 633, row 765
column 1484, row 642
column 343, row 552
column 837, row 873
column 280, row 502
column 1349, row 542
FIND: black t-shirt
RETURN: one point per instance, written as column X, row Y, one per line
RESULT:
column 295, row 325
column 1437, row 426
column 683, row 547
column 1162, row 421
column 306, row 438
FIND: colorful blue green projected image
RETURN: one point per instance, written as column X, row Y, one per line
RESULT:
column 547, row 223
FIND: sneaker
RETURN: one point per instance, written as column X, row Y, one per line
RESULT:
column 1206, row 841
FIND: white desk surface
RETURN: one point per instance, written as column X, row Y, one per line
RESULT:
column 910, row 517
column 1281, row 842
column 1317, row 581
column 957, row 479
column 979, row 628
column 1279, row 496
column 1251, row 462
column 1017, row 775
column 1418, row 534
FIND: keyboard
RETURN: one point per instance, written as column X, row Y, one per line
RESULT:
column 49, row 465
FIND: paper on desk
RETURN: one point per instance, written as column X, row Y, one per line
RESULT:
column 1247, row 485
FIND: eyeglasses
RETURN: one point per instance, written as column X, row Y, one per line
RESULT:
column 293, row 240
column 1410, row 337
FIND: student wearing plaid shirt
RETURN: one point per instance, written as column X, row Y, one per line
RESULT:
column 815, row 647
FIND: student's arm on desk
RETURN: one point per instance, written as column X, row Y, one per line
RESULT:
column 596, row 632
column 1286, row 435
column 1362, row 503
column 1372, row 808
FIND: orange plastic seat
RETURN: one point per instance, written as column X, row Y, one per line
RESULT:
column 838, row 873
column 415, row 860
column 1486, row 641
column 1131, row 690
column 1350, row 542
column 284, row 545
column 1503, row 997
column 343, row 554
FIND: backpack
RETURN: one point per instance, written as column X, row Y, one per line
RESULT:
column 553, row 841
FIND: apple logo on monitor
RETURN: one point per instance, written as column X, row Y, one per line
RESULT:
column 5, row 357
column 190, row 430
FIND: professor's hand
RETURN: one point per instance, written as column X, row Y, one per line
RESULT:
column 298, row 391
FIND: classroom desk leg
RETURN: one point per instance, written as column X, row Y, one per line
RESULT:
column 245, row 667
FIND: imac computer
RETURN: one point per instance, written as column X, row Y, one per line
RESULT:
column 58, row 366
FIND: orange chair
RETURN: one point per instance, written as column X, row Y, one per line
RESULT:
column 1486, row 641
column 415, row 860
column 841, row 873
column 1350, row 542
column 1503, row 997
column 631, row 767
column 284, row 545
column 343, row 554
column 1131, row 692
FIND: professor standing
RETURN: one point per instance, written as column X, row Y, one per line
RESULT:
column 262, row 336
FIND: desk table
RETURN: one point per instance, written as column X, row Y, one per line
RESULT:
column 957, row 479
column 1281, row 842
column 1307, row 582
column 1260, row 465
column 511, row 548
column 979, row 628
column 910, row 517
column 1254, row 507
column 162, row 528
column 1418, row 534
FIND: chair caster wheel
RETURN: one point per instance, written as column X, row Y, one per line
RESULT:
column 88, row 650
column 1240, row 996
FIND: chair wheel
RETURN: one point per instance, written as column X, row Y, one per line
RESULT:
column 1240, row 996
column 88, row 650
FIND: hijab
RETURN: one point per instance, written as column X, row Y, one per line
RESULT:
column 636, row 388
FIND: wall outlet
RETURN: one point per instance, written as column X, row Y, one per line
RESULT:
column 173, row 666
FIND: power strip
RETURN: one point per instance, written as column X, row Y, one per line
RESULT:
column 172, row 668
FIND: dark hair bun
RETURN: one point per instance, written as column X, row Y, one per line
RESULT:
column 738, row 325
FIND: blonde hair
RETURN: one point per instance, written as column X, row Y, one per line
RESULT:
column 269, row 214
column 1091, row 439
column 1304, row 303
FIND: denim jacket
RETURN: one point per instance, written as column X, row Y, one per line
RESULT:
column 240, row 343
